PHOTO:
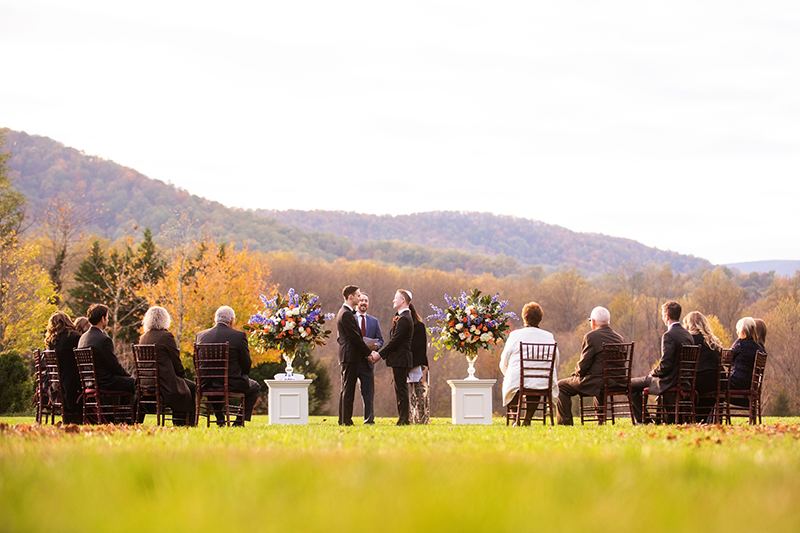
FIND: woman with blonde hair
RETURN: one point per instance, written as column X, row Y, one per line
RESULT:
column 61, row 337
column 708, row 364
column 744, row 354
column 177, row 391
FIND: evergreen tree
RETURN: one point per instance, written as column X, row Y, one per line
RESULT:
column 116, row 280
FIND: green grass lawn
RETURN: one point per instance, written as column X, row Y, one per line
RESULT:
column 385, row 478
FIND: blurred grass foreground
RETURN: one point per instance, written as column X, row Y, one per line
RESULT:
column 383, row 478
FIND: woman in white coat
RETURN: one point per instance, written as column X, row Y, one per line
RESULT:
column 509, row 361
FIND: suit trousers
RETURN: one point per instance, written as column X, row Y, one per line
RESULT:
column 250, row 399
column 347, row 396
column 567, row 388
column 366, row 378
column 400, row 376
column 637, row 386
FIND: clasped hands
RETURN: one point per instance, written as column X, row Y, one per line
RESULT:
column 374, row 357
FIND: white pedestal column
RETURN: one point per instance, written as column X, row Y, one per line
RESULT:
column 472, row 400
column 288, row 401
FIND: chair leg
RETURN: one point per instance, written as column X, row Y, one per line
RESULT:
column 549, row 405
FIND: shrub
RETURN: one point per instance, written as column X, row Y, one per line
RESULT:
column 16, row 383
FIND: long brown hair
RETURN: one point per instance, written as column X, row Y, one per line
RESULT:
column 59, row 323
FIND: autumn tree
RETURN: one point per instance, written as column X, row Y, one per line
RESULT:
column 194, row 286
column 60, row 227
column 719, row 295
column 25, row 291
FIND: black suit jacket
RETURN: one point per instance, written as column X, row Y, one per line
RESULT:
column 238, row 355
column 106, row 363
column 352, row 348
column 589, row 367
column 397, row 352
column 665, row 375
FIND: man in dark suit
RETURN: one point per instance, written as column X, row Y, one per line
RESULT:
column 370, row 328
column 238, row 361
column 397, row 352
column 587, row 379
column 666, row 374
column 352, row 351
column 110, row 374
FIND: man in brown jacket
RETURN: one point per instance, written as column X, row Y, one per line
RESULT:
column 587, row 379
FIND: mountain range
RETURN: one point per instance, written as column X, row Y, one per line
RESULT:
column 116, row 197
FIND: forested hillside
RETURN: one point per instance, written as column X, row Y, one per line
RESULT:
column 529, row 242
column 115, row 197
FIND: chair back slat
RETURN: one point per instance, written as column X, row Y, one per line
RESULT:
column 727, row 358
column 211, row 362
column 689, row 355
column 758, row 372
column 617, row 363
column 536, row 361
column 84, row 357
column 145, row 360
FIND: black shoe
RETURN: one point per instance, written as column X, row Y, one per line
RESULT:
column 369, row 423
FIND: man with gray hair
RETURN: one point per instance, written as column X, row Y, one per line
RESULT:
column 587, row 379
column 238, row 361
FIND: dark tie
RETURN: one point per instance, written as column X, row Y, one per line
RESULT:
column 363, row 326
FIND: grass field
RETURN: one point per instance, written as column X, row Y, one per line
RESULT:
column 384, row 478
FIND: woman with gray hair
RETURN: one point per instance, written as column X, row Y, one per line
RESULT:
column 177, row 391
column 744, row 354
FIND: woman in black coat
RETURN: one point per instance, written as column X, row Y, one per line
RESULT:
column 708, row 364
column 62, row 337
column 177, row 391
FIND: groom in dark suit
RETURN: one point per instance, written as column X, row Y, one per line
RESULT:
column 110, row 374
column 397, row 352
column 666, row 374
column 370, row 328
column 352, row 351
column 238, row 361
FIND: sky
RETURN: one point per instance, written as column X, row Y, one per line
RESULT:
column 676, row 124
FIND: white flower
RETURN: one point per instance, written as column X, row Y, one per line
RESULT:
column 486, row 337
column 460, row 326
column 462, row 336
column 303, row 333
column 296, row 311
column 289, row 325
column 473, row 329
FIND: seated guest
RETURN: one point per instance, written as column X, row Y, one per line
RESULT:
column 61, row 337
column 238, row 361
column 744, row 354
column 82, row 325
column 177, row 391
column 587, row 378
column 708, row 363
column 664, row 376
column 110, row 374
column 532, row 315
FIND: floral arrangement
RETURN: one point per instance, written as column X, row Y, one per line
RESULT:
column 293, row 324
column 470, row 322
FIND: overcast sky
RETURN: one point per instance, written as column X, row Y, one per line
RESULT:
column 676, row 124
